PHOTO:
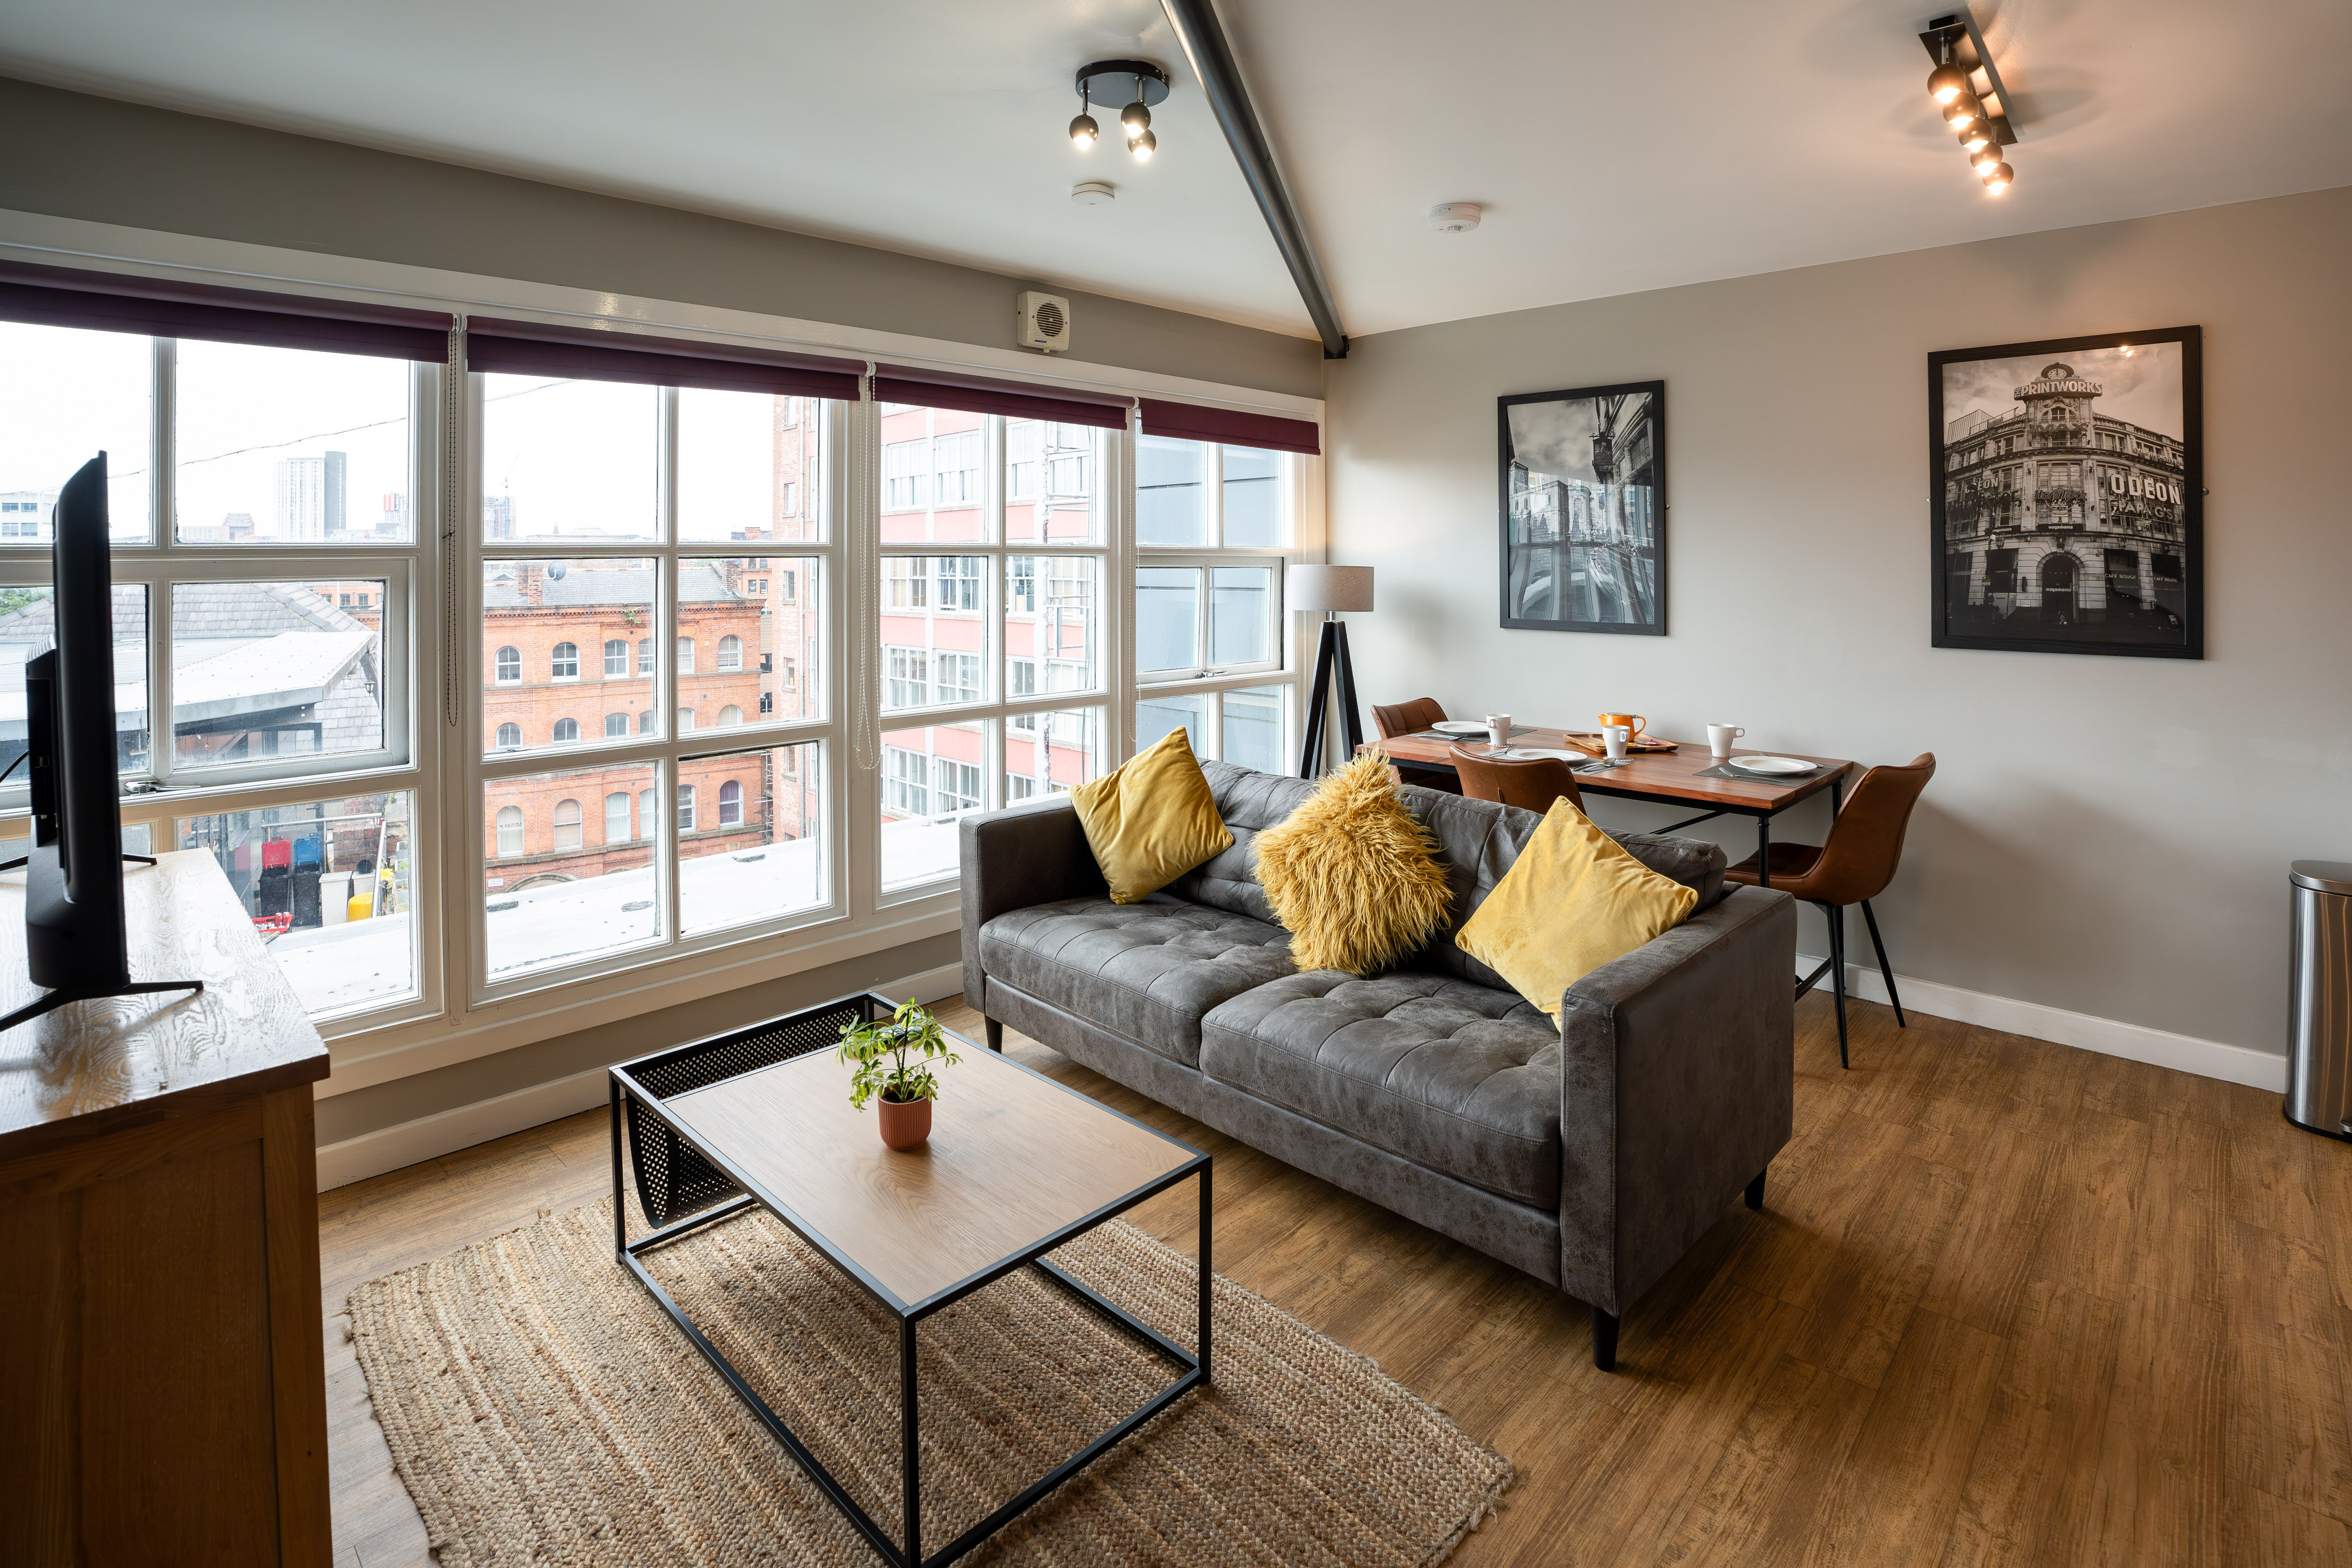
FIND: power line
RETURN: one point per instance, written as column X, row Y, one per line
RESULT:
column 329, row 435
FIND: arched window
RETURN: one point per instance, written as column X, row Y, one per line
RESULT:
column 686, row 808
column 685, row 719
column 729, row 716
column 565, row 665
column 644, row 655
column 567, row 825
column 616, row 817
column 730, row 652
column 645, row 799
column 567, row 731
column 730, row 805
column 509, row 737
column 646, row 722
column 509, row 665
column 509, row 830
column 686, row 656
column 616, row 658
column 616, row 724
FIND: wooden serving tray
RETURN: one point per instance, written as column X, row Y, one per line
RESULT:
column 1591, row 741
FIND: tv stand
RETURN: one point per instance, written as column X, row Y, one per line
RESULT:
column 60, row 998
column 19, row 865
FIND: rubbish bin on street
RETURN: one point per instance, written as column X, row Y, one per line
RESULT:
column 2320, row 1002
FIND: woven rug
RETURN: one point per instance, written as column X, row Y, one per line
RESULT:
column 543, row 1409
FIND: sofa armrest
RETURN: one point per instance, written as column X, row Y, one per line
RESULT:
column 1678, row 1086
column 1029, row 854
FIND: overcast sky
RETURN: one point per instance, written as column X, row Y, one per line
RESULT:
column 2143, row 386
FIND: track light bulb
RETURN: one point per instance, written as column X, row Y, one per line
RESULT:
column 1136, row 117
column 1976, row 138
column 1946, row 82
column 1964, row 107
column 1143, row 146
column 1998, row 177
column 1084, row 130
column 1983, row 159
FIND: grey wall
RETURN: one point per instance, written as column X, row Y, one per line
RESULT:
column 2105, row 835
column 73, row 155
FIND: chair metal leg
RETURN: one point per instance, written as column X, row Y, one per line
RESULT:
column 1836, row 915
column 1605, row 1340
column 1756, row 1192
column 1885, row 969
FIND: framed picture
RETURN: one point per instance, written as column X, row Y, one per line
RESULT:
column 2066, row 486
column 1584, row 510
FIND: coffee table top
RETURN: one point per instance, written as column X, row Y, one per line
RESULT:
column 1013, row 1159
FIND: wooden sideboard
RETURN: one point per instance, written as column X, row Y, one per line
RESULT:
column 163, row 1392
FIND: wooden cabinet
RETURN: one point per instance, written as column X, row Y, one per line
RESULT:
column 162, row 1392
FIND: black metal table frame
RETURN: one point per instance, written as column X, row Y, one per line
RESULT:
column 1194, row 1369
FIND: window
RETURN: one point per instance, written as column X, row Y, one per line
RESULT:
column 959, row 677
column 1253, row 502
column 1019, row 786
column 645, row 806
column 730, row 652
column 906, row 585
column 686, row 656
column 906, row 475
column 959, row 785
column 510, row 665
column 905, row 783
column 908, row 673
column 730, row 804
column 573, row 903
column 788, row 588
column 509, row 830
column 1020, row 585
column 616, row 725
column 767, row 857
column 646, row 722
column 644, row 655
column 1170, row 507
column 567, row 825
column 788, row 501
column 958, row 582
column 957, row 454
column 567, row 733
column 686, row 808
column 616, row 658
column 729, row 716
column 788, row 674
column 510, row 736
column 685, row 719
column 616, row 817
column 565, row 664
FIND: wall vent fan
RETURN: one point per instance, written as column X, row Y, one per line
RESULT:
column 1041, row 321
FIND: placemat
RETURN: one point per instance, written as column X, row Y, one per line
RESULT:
column 1724, row 771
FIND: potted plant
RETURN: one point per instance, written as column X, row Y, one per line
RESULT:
column 894, row 1057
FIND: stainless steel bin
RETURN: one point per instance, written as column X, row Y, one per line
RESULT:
column 2319, row 1008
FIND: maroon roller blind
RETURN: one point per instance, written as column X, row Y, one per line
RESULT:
column 1196, row 422
column 164, row 308
column 987, row 394
column 585, row 353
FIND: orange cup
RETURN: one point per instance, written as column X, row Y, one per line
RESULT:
column 1635, row 724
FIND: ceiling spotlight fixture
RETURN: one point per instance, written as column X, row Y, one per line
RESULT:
column 1980, row 114
column 1141, row 83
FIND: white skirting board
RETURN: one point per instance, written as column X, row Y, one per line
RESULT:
column 463, row 1126
column 2108, row 1037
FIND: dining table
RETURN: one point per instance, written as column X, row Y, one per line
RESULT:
column 1659, row 778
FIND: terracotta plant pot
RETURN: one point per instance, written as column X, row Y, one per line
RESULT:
column 905, row 1126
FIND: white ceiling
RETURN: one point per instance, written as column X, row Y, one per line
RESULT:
column 1617, row 146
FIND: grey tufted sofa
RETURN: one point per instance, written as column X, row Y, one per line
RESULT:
column 1591, row 1157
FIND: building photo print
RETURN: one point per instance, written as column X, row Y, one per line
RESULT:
column 2066, row 503
column 1583, row 510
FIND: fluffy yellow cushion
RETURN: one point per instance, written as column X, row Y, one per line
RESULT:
column 1574, row 901
column 1350, row 875
column 1150, row 819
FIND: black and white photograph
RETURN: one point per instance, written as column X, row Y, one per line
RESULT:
column 1584, row 510
column 2066, row 507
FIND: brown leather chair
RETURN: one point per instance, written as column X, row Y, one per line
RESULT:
column 1864, row 847
column 1531, row 786
column 1411, row 718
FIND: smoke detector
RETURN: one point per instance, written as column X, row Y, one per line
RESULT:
column 1455, row 218
column 1094, row 193
column 1041, row 321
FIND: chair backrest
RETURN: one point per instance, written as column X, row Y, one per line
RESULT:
column 1530, row 785
column 1407, row 718
column 1866, row 842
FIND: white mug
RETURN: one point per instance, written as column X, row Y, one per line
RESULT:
column 1720, row 738
column 1498, row 729
column 1616, row 735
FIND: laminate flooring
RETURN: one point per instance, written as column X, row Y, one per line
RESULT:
column 2008, row 1302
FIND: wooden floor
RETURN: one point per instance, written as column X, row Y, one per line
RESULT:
column 2008, row 1302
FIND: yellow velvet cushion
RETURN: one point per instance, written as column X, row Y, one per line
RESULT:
column 1572, row 901
column 1350, row 874
column 1151, row 819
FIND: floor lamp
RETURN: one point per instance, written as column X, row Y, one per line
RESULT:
column 1329, row 590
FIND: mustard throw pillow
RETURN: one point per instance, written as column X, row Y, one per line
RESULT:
column 1350, row 874
column 1151, row 819
column 1574, row 901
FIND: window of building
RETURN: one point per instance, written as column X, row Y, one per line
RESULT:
column 686, row 808
column 647, row 804
column 729, row 716
column 906, row 583
column 906, row 475
column 908, row 672
column 788, row 502
column 616, row 658
column 616, row 817
column 906, row 782
column 510, row 666
column 510, row 736
column 730, row 652
column 509, row 830
column 1019, row 786
column 567, row 731
column 788, row 588
column 730, row 804
column 958, row 582
column 685, row 719
column 565, row 664
column 644, row 655
column 957, row 787
column 957, row 454
column 958, row 678
column 616, row 725
column 788, row 674
column 686, row 656
column 567, row 825
column 646, row 722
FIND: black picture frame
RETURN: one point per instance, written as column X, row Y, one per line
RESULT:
column 2054, row 483
column 1613, row 578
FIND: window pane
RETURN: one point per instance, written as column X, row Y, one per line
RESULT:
column 571, row 458
column 933, row 643
column 1048, row 753
column 66, row 396
column 326, row 884
column 290, row 447
column 1168, row 489
column 263, row 670
column 558, row 888
column 1050, row 624
column 554, row 632
column 28, row 629
column 757, row 851
column 1051, row 481
column 747, row 463
column 757, row 624
column 932, row 479
column 1155, row 716
column 1251, row 732
column 1241, row 621
column 925, row 772
column 1253, row 495
column 1166, row 619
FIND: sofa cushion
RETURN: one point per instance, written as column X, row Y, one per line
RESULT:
column 1148, row 969
column 1150, row 819
column 1460, row 1078
column 1250, row 802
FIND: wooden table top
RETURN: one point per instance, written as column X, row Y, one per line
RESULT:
column 1013, row 1158
column 1674, row 774
column 92, row 1066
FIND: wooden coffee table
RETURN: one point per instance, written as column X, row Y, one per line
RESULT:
column 1017, row 1164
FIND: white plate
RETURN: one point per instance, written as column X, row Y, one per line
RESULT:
column 1773, row 765
column 1535, row 754
column 1456, row 727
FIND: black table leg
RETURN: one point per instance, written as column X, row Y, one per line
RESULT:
column 620, row 1203
column 1763, row 851
column 911, row 1462
column 1206, row 1275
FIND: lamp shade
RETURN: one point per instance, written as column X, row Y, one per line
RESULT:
column 1319, row 588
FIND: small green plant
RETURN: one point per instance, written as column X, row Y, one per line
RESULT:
column 894, row 1056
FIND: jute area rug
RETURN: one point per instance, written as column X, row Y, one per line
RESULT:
column 543, row 1409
